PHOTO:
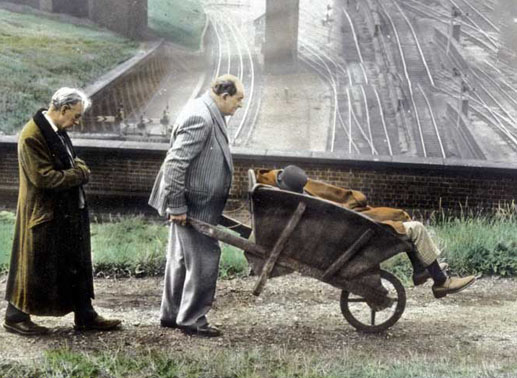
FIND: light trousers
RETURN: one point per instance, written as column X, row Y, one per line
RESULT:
column 190, row 277
column 426, row 249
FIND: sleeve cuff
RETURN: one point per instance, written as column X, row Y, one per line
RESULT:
column 176, row 210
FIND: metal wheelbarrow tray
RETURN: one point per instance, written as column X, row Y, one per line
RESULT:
column 317, row 238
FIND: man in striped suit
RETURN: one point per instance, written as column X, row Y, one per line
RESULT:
column 194, row 181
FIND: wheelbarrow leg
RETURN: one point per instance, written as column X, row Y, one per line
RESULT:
column 277, row 249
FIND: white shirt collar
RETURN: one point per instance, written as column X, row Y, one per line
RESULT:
column 54, row 127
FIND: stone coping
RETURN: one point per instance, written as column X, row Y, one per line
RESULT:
column 263, row 156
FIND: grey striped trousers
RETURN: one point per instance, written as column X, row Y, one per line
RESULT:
column 190, row 277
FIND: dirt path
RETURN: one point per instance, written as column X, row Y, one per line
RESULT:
column 294, row 313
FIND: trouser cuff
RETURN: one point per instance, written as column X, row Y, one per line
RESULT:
column 436, row 273
column 13, row 315
column 84, row 312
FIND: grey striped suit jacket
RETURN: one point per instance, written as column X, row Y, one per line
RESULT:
column 196, row 175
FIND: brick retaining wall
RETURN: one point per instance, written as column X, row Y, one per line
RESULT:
column 123, row 174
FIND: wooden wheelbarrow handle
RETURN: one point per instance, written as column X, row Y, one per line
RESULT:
column 213, row 232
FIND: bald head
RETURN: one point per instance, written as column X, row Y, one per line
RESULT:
column 228, row 93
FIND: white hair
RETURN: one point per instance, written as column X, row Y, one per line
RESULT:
column 69, row 96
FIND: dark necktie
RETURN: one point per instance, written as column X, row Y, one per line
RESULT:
column 62, row 135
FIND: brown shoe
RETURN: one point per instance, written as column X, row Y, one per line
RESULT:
column 98, row 324
column 25, row 328
column 452, row 285
column 421, row 278
column 206, row 331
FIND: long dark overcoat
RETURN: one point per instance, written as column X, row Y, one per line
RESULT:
column 50, row 261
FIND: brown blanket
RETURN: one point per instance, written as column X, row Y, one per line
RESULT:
column 348, row 198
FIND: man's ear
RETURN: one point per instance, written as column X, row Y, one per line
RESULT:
column 224, row 95
column 64, row 108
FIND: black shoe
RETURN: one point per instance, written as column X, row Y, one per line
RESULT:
column 25, row 328
column 206, row 331
column 168, row 324
column 98, row 324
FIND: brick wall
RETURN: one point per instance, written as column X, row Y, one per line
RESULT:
column 281, row 34
column 408, row 185
column 123, row 174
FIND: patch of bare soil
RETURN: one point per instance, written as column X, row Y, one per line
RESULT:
column 295, row 313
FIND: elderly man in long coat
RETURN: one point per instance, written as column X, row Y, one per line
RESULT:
column 51, row 269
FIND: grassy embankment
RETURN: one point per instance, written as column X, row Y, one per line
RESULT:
column 39, row 55
column 135, row 247
column 179, row 21
column 262, row 362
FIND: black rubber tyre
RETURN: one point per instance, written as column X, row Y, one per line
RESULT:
column 393, row 317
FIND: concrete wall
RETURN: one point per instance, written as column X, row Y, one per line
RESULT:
column 31, row 3
column 130, row 85
column 77, row 8
column 281, row 37
column 127, row 17
column 123, row 174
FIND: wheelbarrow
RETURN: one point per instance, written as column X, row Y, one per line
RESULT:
column 317, row 238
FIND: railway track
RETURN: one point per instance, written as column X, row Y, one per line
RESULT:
column 432, row 138
column 416, row 70
column 238, row 61
column 343, row 55
column 494, row 98
column 314, row 60
column 476, row 16
column 361, row 124
column 443, row 16
column 476, row 20
column 353, row 54
column 347, row 133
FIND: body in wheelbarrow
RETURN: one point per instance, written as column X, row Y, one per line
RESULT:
column 317, row 238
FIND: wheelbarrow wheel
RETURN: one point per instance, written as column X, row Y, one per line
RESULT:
column 364, row 317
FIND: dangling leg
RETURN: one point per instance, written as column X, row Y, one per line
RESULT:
column 427, row 253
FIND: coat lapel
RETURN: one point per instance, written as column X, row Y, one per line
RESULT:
column 220, row 130
column 57, row 148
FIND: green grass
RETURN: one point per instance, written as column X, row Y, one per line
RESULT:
column 265, row 362
column 130, row 247
column 136, row 247
column 483, row 244
column 127, row 247
column 471, row 243
column 38, row 55
column 6, row 238
column 486, row 245
column 180, row 21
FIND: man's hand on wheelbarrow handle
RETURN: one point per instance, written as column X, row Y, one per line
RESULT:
column 180, row 219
